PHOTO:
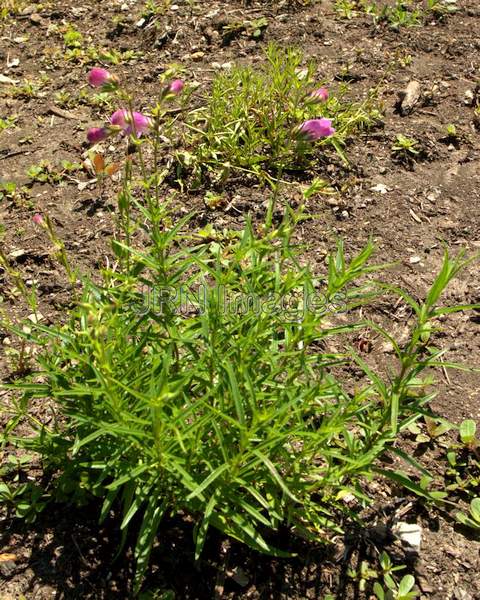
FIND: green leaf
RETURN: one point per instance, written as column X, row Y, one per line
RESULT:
column 154, row 512
column 475, row 509
column 378, row 591
column 206, row 482
column 406, row 584
column 467, row 431
column 275, row 474
column 201, row 533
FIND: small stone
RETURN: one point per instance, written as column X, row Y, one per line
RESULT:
column 239, row 576
column 36, row 19
column 410, row 533
column 18, row 253
column 380, row 188
column 469, row 98
column 35, row 317
column 409, row 97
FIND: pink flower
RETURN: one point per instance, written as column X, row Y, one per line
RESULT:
column 176, row 86
column 122, row 118
column 320, row 95
column 314, row 129
column 97, row 134
column 37, row 219
column 98, row 77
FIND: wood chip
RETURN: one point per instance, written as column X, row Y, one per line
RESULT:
column 6, row 557
column 409, row 97
column 415, row 217
column 64, row 114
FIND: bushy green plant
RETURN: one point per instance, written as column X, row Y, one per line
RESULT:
column 251, row 120
column 210, row 375
column 226, row 407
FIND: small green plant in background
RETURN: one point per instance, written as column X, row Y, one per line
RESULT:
column 397, row 14
column 463, row 471
column 9, row 190
column 405, row 148
column 8, row 122
column 251, row 119
column 392, row 588
column 72, row 38
column 441, row 8
column 29, row 88
column 45, row 172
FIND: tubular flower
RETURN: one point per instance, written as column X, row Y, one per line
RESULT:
column 97, row 134
column 320, row 95
column 99, row 77
column 122, row 118
column 314, row 129
column 176, row 86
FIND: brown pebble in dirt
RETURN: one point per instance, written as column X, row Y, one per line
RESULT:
column 409, row 98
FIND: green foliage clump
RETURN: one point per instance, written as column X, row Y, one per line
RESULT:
column 250, row 121
column 232, row 407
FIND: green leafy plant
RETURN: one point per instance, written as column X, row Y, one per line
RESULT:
column 463, row 471
column 441, row 8
column 226, row 413
column 8, row 122
column 250, row 124
column 405, row 148
column 72, row 38
column 394, row 589
column 397, row 14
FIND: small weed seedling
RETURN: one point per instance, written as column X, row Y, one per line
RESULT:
column 463, row 472
column 394, row 589
column 400, row 13
column 8, row 122
column 405, row 149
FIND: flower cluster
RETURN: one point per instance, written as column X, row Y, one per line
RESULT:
column 315, row 129
column 123, row 121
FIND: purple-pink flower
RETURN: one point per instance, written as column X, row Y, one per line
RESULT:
column 37, row 219
column 320, row 95
column 314, row 129
column 130, row 122
column 98, row 77
column 176, row 86
column 97, row 134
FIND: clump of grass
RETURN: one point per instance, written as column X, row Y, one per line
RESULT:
column 400, row 13
column 251, row 118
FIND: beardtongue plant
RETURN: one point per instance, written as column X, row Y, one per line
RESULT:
column 253, row 124
column 234, row 408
